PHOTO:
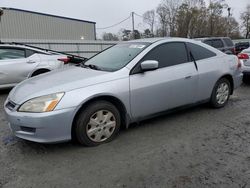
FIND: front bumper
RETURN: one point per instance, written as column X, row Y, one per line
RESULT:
column 49, row 127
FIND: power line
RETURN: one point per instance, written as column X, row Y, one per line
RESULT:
column 116, row 23
column 138, row 15
column 120, row 21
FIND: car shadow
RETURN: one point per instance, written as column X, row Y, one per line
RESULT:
column 4, row 91
column 169, row 115
column 146, row 125
column 246, row 80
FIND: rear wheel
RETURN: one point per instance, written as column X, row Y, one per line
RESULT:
column 221, row 93
column 98, row 123
column 38, row 72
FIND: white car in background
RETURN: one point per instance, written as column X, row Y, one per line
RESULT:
column 244, row 56
column 19, row 62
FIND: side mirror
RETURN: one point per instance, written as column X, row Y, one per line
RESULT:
column 149, row 65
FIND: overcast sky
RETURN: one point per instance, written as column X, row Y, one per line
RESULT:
column 103, row 12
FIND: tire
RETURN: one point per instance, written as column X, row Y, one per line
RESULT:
column 97, row 123
column 38, row 72
column 221, row 93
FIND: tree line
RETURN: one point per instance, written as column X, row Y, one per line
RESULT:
column 189, row 19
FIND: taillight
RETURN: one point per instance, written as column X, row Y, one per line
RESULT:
column 243, row 56
column 64, row 60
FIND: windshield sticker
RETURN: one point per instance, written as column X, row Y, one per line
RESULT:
column 137, row 46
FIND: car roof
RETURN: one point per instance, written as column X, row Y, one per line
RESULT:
column 23, row 46
column 147, row 40
column 176, row 39
column 166, row 39
column 211, row 38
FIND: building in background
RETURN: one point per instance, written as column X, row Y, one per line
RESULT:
column 28, row 25
column 72, row 36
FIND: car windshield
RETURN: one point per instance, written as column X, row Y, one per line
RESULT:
column 116, row 57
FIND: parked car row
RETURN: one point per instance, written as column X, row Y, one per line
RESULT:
column 126, row 83
column 224, row 44
column 240, row 46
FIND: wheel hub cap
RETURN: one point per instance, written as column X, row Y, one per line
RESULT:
column 101, row 126
column 222, row 93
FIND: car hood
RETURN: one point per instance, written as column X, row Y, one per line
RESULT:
column 58, row 81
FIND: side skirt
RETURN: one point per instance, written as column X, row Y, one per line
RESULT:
column 170, row 111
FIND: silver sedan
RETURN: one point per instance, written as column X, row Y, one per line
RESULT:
column 127, row 83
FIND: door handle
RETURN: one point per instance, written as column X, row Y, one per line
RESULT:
column 31, row 62
column 188, row 77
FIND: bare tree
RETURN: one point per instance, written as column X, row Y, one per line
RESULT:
column 194, row 3
column 198, row 24
column 245, row 17
column 183, row 19
column 215, row 10
column 234, row 29
column 109, row 37
column 149, row 18
column 171, row 8
column 162, row 16
column 191, row 19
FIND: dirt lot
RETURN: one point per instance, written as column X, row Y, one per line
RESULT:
column 199, row 147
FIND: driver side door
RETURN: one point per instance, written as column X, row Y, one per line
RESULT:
column 172, row 85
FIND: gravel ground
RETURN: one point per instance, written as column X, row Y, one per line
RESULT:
column 198, row 147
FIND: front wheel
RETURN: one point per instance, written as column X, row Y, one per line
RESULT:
column 98, row 123
column 38, row 72
column 221, row 93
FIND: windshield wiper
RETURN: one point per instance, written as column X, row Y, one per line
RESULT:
column 94, row 67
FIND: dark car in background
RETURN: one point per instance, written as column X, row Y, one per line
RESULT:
column 241, row 46
column 224, row 44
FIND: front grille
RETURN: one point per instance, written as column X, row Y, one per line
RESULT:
column 11, row 105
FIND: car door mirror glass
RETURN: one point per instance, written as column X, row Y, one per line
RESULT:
column 149, row 65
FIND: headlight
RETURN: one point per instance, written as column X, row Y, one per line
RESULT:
column 45, row 103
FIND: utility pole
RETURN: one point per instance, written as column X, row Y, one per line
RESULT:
column 133, row 26
column 228, row 20
column 1, row 14
column 211, row 18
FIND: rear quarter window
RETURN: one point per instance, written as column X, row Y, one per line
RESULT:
column 29, row 52
column 217, row 43
column 228, row 42
column 208, row 42
column 200, row 52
